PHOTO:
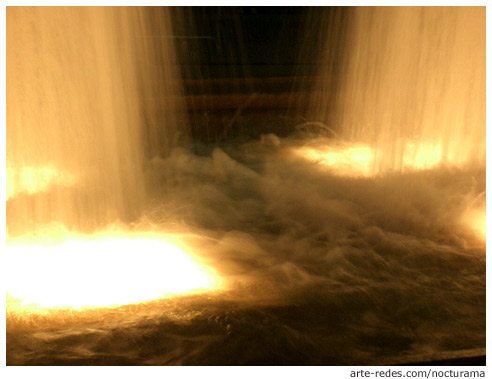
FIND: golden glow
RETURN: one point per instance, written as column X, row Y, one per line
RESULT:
column 347, row 160
column 32, row 180
column 357, row 160
column 421, row 156
column 105, row 270
column 476, row 220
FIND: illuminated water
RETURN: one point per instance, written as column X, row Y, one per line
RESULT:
column 79, row 122
column 320, row 268
column 296, row 250
column 413, row 85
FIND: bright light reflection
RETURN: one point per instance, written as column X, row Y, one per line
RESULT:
column 36, row 179
column 105, row 271
column 476, row 220
column 355, row 160
column 421, row 156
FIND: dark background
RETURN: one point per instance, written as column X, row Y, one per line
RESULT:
column 247, row 71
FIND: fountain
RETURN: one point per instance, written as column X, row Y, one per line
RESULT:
column 357, row 239
column 412, row 86
column 80, row 122
column 91, row 97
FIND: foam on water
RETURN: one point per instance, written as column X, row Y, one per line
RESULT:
column 348, row 269
column 341, row 251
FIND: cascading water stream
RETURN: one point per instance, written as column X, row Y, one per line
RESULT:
column 358, row 239
column 413, row 86
column 79, row 120
column 90, row 99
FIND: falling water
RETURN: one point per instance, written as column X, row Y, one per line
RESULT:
column 79, row 118
column 413, row 85
column 371, row 251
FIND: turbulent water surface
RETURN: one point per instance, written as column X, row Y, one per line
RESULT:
column 365, row 245
column 320, row 267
